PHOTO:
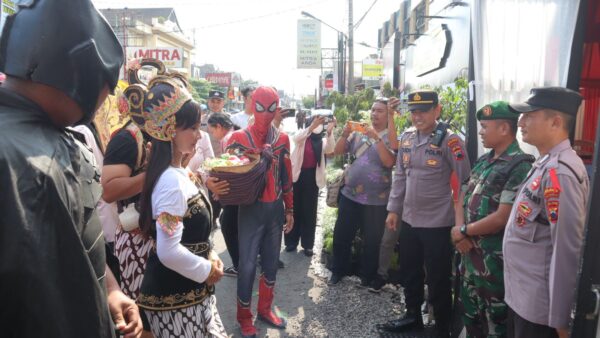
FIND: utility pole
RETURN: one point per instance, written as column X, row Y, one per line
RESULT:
column 350, row 88
column 124, row 26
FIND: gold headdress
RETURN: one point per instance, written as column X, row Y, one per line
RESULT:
column 153, row 114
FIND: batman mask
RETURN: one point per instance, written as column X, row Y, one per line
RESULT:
column 64, row 44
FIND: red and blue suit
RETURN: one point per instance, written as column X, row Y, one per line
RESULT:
column 260, row 224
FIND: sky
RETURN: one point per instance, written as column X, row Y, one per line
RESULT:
column 257, row 38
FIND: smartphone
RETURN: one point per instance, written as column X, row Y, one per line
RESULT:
column 288, row 112
column 360, row 127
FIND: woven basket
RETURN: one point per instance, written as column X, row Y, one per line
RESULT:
column 245, row 184
column 239, row 169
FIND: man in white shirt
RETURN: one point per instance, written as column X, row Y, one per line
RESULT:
column 241, row 119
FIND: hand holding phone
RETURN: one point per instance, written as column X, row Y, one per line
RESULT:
column 360, row 127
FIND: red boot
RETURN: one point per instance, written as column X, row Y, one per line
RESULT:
column 265, row 300
column 244, row 318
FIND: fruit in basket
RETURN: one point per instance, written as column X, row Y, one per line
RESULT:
column 226, row 160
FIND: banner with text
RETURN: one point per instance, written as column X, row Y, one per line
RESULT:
column 309, row 44
column 372, row 69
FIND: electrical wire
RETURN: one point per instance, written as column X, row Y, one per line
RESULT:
column 364, row 15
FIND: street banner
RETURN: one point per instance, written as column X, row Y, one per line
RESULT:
column 309, row 44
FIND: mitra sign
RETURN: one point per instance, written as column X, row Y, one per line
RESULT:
column 309, row 44
column 170, row 56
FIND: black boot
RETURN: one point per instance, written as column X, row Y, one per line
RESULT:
column 410, row 321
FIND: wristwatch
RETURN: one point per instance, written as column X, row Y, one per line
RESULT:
column 463, row 229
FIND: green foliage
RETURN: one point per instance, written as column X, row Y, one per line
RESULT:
column 200, row 89
column 248, row 83
column 329, row 218
column 308, row 102
column 389, row 91
column 453, row 99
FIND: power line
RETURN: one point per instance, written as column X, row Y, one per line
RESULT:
column 364, row 15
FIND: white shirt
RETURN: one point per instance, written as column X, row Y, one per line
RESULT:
column 204, row 151
column 170, row 195
column 240, row 119
column 298, row 156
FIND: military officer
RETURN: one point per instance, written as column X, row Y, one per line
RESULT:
column 487, row 198
column 544, row 234
column 421, row 204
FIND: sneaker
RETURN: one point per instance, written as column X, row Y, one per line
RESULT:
column 376, row 284
column 230, row 271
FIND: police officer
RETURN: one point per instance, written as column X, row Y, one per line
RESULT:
column 421, row 204
column 216, row 102
column 544, row 233
column 488, row 196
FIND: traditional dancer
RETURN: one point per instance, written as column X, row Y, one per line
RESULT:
column 177, row 292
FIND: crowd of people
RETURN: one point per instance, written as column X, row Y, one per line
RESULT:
column 100, row 242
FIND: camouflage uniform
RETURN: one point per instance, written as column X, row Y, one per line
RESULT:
column 482, row 290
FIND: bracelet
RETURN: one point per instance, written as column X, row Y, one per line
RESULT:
column 463, row 229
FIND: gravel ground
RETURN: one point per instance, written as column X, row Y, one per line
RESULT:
column 312, row 308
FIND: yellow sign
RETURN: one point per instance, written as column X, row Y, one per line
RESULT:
column 372, row 69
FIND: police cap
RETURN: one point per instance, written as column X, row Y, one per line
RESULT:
column 422, row 100
column 557, row 98
column 216, row 94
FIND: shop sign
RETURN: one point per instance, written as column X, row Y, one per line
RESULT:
column 172, row 57
column 220, row 79
column 309, row 44
column 372, row 69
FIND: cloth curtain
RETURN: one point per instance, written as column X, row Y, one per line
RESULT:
column 520, row 44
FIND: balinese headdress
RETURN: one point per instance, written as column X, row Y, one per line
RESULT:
column 153, row 106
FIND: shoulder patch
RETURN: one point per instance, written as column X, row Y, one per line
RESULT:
column 453, row 141
column 554, row 179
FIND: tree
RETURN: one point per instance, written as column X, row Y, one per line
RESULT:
column 308, row 102
column 200, row 89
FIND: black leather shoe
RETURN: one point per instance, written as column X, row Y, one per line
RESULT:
column 290, row 248
column 308, row 252
column 410, row 321
column 334, row 279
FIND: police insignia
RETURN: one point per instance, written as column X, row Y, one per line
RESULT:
column 433, row 146
column 432, row 163
column 551, row 193
column 405, row 158
column 417, row 97
column 552, row 210
column 487, row 111
column 452, row 142
column 524, row 209
column 520, row 220
column 458, row 153
column 536, row 183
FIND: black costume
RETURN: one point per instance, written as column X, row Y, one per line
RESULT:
column 52, row 258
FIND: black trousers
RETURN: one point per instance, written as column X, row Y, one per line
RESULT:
column 519, row 327
column 370, row 219
column 229, row 228
column 306, row 197
column 216, row 207
column 429, row 248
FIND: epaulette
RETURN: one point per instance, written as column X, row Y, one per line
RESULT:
column 579, row 178
column 79, row 137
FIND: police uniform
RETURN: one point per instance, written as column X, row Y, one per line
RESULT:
column 544, row 234
column 494, row 180
column 421, row 196
column 216, row 144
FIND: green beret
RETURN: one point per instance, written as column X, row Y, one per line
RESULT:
column 498, row 110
